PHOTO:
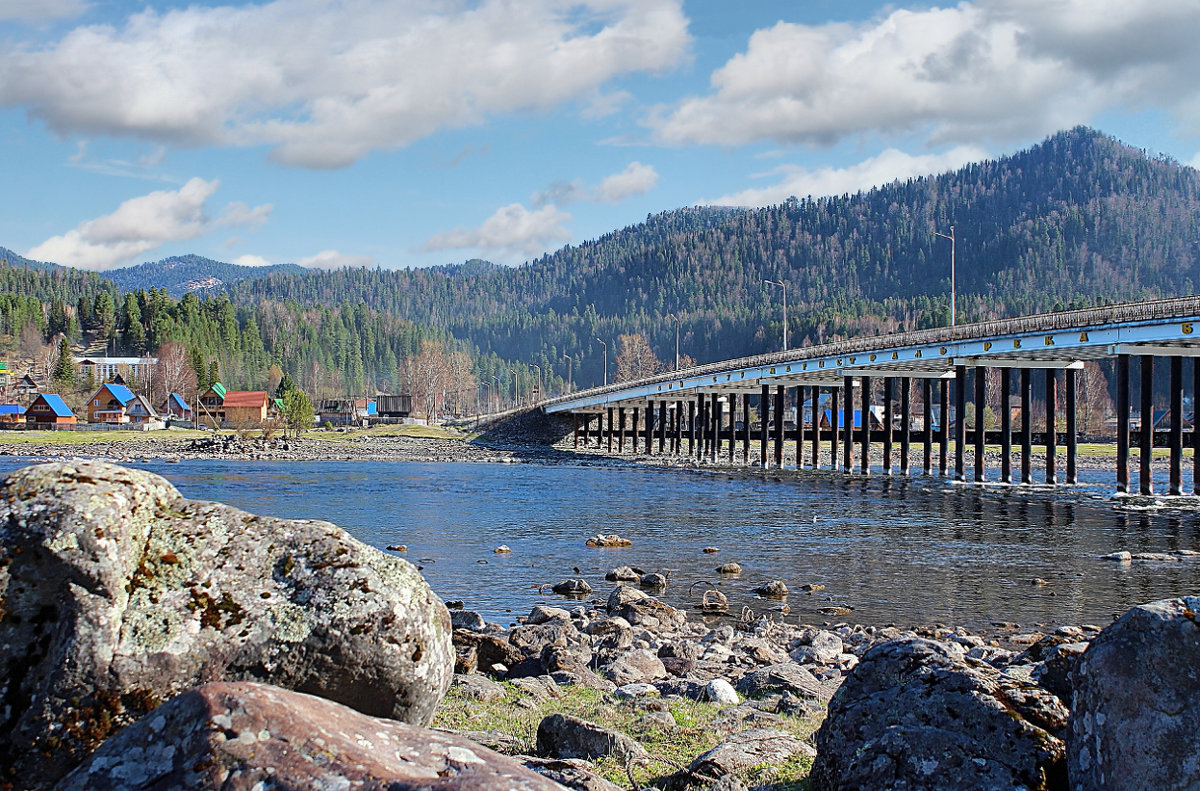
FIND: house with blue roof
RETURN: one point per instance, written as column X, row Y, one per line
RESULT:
column 11, row 414
column 116, row 403
column 175, row 408
column 49, row 410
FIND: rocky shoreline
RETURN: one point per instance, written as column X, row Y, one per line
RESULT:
column 150, row 641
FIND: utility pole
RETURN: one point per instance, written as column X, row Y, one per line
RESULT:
column 782, row 285
column 605, row 345
column 952, row 289
column 676, row 319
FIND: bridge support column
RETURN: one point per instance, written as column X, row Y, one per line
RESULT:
column 865, row 437
column 834, row 393
column 745, row 429
column 848, row 422
column 888, row 418
column 662, row 427
column 677, row 428
column 609, row 430
column 944, row 425
column 1195, row 427
column 778, row 426
column 1051, row 426
column 691, row 427
column 980, row 423
column 733, row 405
column 905, row 423
column 1026, row 426
column 701, row 426
column 575, row 429
column 633, row 439
column 1006, row 475
column 1145, row 482
column 1072, row 429
column 927, row 419
column 1176, row 426
column 649, row 427
column 1122, row 422
column 800, row 465
column 714, row 453
column 960, row 423
column 764, row 398
column 621, row 430
column 815, row 410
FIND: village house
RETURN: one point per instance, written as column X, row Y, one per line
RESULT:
column 116, row 403
column 233, row 407
column 11, row 415
column 49, row 410
column 175, row 408
column 26, row 388
column 103, row 369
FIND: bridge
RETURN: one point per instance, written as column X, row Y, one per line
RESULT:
column 700, row 406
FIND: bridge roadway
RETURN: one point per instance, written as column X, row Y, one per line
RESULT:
column 691, row 404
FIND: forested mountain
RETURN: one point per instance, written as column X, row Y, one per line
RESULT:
column 181, row 274
column 1078, row 219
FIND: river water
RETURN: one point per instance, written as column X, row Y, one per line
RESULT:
column 914, row 551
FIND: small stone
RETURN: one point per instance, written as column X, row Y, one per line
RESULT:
column 811, row 588
column 711, row 550
column 1118, row 557
column 397, row 548
column 721, row 692
column 500, row 550
column 622, row 574
column 730, row 568
column 654, row 581
column 772, row 590
column 635, row 690
column 572, row 588
column 609, row 540
column 714, row 601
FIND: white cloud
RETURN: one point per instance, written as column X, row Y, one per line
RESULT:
column 238, row 213
column 40, row 10
column 250, row 260
column 511, row 235
column 323, row 84
column 884, row 168
column 993, row 69
column 138, row 226
column 635, row 179
column 332, row 259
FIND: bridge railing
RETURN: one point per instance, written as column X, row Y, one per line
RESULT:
column 1081, row 319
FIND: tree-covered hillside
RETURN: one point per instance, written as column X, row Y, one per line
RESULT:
column 1078, row 219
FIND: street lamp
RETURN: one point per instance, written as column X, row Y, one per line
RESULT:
column 496, row 391
column 951, row 238
column 782, row 285
column 569, row 360
column 513, row 371
column 605, row 345
column 675, row 318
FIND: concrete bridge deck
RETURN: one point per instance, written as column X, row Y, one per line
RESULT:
column 1052, row 342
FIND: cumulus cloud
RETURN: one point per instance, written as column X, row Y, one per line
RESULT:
column 332, row 259
column 138, row 226
column 250, row 260
column 238, row 213
column 323, row 84
column 886, row 167
column 511, row 235
column 40, row 10
column 991, row 69
column 635, row 179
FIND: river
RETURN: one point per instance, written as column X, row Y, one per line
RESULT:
column 914, row 551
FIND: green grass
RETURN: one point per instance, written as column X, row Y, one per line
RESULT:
column 73, row 438
column 518, row 714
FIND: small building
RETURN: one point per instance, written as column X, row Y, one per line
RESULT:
column 109, row 404
column 393, row 405
column 175, row 408
column 11, row 415
column 233, row 406
column 49, row 410
column 27, row 387
column 103, row 369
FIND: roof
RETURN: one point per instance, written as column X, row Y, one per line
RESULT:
column 131, row 361
column 175, row 401
column 11, row 409
column 119, row 392
column 56, row 404
column 218, row 388
column 245, row 398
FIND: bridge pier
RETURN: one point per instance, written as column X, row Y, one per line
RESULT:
column 834, row 392
column 1195, row 428
column 980, row 423
column 800, row 465
column 848, row 423
column 1145, row 482
column 927, row 428
column 960, row 423
column 662, row 427
column 779, row 426
column 763, row 399
column 1123, row 423
column 1051, row 426
column 745, row 429
column 633, row 439
column 1006, row 472
column 888, row 419
column 906, row 423
column 1176, row 399
column 1026, row 426
column 944, row 426
column 1072, row 429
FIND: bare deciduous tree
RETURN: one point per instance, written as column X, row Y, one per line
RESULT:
column 635, row 358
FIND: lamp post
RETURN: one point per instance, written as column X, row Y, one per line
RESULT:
column 496, row 391
column 951, row 238
column 605, row 345
column 513, row 371
column 569, row 360
column 782, row 285
column 675, row 318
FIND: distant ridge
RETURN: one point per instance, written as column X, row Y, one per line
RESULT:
column 183, row 273
column 18, row 261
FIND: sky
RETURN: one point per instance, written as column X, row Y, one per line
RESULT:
column 407, row 133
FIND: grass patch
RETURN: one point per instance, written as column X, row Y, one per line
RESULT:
column 698, row 728
column 73, row 438
column 417, row 432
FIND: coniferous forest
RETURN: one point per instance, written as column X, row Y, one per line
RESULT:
column 1080, row 219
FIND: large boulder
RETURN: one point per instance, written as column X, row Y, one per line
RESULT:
column 243, row 736
column 564, row 736
column 1137, row 702
column 911, row 716
column 116, row 593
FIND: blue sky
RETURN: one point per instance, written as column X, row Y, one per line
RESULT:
column 394, row 134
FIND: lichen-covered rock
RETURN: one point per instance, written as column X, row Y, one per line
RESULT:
column 1137, row 702
column 741, row 751
column 913, row 716
column 244, row 736
column 564, row 736
column 117, row 592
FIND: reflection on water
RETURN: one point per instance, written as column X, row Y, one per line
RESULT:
column 896, row 550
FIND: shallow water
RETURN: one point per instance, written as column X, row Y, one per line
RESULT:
column 904, row 551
